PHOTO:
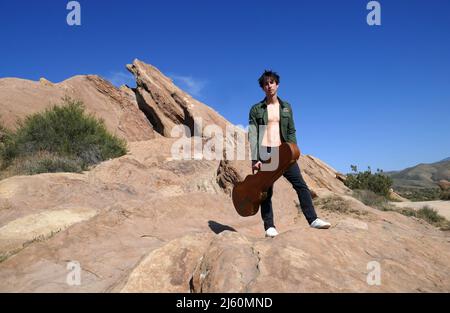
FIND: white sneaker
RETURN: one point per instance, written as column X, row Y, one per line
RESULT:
column 271, row 232
column 319, row 224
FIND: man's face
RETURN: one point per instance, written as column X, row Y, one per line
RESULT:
column 270, row 87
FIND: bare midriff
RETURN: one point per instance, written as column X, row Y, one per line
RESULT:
column 271, row 136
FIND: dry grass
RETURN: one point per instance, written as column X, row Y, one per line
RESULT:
column 373, row 200
column 41, row 162
column 426, row 213
column 429, row 215
column 337, row 205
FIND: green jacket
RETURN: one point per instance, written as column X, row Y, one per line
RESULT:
column 258, row 116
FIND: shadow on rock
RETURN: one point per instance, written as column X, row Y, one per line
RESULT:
column 218, row 228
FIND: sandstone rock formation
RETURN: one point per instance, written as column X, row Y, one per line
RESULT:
column 302, row 259
column 444, row 185
column 166, row 105
column 119, row 109
column 169, row 268
column 393, row 196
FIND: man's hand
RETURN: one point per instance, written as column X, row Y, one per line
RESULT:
column 256, row 166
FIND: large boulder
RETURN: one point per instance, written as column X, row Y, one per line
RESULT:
column 166, row 105
column 444, row 184
column 118, row 108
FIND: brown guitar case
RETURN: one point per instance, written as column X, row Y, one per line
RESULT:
column 248, row 194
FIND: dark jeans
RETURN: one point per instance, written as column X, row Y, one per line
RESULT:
column 294, row 176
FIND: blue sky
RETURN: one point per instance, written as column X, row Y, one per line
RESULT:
column 364, row 95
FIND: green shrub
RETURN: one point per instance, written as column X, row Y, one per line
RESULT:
column 5, row 138
column 3, row 133
column 378, row 182
column 62, row 138
column 430, row 215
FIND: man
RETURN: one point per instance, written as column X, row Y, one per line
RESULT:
column 271, row 123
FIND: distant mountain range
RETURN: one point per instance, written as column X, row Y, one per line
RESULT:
column 422, row 175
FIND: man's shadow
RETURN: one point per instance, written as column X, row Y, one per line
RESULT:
column 218, row 228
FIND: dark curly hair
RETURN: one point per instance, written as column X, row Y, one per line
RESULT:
column 268, row 74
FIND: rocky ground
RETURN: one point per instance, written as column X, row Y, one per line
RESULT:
column 147, row 223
